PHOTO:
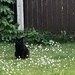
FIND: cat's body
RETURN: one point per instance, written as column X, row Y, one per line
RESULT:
column 21, row 50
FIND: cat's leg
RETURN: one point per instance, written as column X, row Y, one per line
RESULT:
column 16, row 54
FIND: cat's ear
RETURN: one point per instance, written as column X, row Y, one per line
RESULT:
column 22, row 38
column 16, row 38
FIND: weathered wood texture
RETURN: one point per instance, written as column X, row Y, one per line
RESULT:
column 50, row 15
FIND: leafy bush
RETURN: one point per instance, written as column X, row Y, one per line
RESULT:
column 34, row 36
column 62, row 37
column 31, row 35
column 8, row 28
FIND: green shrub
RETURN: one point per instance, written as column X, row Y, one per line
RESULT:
column 8, row 29
column 31, row 35
column 34, row 36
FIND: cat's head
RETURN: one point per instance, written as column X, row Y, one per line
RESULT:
column 19, row 40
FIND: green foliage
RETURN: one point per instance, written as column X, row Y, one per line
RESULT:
column 8, row 1
column 63, row 36
column 33, row 36
column 8, row 28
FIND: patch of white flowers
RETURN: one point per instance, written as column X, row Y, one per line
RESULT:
column 40, row 56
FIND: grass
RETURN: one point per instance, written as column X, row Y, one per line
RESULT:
column 56, row 59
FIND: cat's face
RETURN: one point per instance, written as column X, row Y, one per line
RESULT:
column 19, row 40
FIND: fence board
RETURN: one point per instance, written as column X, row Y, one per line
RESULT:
column 30, row 17
column 34, row 13
column 54, row 18
column 73, row 16
column 50, row 15
column 59, row 15
column 65, row 15
column 39, row 15
column 44, row 15
column 37, row 12
column 25, row 14
column 70, row 15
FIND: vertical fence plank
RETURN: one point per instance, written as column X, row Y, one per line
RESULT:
column 50, row 26
column 69, row 15
column 59, row 15
column 34, row 14
column 54, row 17
column 44, row 15
column 74, row 16
column 30, row 13
column 25, row 13
column 65, row 15
column 73, row 20
column 39, row 15
column 47, row 14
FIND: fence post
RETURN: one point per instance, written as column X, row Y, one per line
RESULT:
column 20, row 14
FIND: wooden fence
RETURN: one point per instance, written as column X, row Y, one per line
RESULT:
column 50, row 15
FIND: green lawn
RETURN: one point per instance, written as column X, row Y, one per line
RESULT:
column 57, row 59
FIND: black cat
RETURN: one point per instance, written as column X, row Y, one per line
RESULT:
column 21, row 50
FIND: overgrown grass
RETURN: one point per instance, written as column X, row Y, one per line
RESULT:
column 56, row 59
